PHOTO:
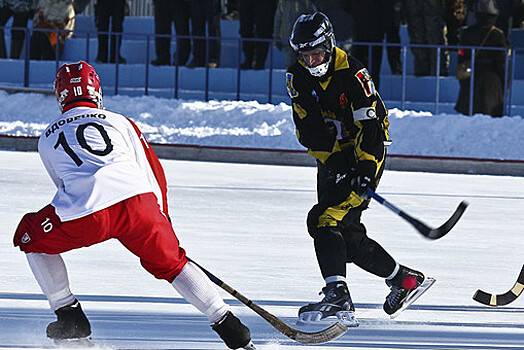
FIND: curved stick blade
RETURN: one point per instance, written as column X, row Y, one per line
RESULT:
column 437, row 233
column 332, row 332
column 511, row 295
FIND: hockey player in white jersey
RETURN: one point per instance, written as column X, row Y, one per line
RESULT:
column 110, row 184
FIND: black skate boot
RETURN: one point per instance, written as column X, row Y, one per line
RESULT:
column 336, row 302
column 405, row 282
column 72, row 325
column 233, row 332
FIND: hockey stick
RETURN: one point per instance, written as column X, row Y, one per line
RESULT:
column 502, row 299
column 332, row 332
column 425, row 230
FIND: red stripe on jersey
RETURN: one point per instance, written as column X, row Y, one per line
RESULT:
column 155, row 166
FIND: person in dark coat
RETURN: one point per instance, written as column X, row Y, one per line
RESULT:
column 426, row 26
column 21, row 11
column 256, row 21
column 205, row 14
column 107, row 11
column 489, row 70
column 510, row 14
column 375, row 20
column 166, row 13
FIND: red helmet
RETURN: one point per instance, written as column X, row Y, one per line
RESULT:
column 77, row 82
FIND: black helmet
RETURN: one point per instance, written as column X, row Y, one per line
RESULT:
column 313, row 32
column 488, row 7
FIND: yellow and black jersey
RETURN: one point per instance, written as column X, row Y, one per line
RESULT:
column 341, row 110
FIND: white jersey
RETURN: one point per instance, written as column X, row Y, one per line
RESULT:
column 96, row 158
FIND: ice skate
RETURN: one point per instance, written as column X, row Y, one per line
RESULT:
column 72, row 326
column 336, row 302
column 406, row 287
column 233, row 332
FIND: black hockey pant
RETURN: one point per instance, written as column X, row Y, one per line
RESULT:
column 340, row 237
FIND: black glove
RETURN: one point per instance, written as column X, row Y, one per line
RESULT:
column 364, row 178
column 337, row 163
column 360, row 184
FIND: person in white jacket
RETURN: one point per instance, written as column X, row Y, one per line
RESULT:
column 53, row 24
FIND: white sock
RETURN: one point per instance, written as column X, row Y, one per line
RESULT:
column 51, row 274
column 395, row 271
column 335, row 278
column 198, row 290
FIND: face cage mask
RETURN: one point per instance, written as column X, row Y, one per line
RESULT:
column 321, row 69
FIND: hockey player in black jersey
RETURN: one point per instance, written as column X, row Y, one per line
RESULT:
column 342, row 121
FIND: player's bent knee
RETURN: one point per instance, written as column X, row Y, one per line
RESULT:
column 320, row 222
column 313, row 218
column 325, row 234
column 34, row 227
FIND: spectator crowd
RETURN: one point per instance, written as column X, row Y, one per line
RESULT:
column 435, row 28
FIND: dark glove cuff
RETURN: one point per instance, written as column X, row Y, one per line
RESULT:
column 366, row 168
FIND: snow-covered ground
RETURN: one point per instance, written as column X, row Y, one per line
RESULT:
column 251, row 124
column 246, row 224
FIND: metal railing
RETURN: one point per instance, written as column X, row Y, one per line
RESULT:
column 509, row 70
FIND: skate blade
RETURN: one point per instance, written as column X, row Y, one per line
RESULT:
column 314, row 318
column 428, row 282
column 86, row 342
column 347, row 318
column 250, row 346
column 310, row 317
